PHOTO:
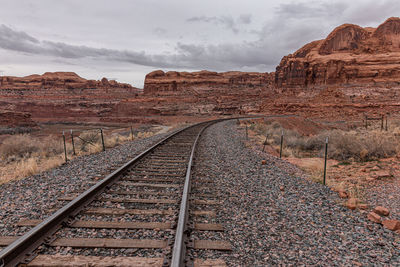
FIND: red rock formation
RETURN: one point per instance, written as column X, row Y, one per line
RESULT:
column 349, row 55
column 200, row 93
column 59, row 80
column 14, row 119
column 172, row 81
column 62, row 96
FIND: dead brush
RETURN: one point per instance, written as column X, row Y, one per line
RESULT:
column 88, row 141
column 17, row 147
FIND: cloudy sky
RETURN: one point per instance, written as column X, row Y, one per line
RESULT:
column 125, row 39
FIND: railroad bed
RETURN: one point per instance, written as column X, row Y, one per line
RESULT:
column 142, row 214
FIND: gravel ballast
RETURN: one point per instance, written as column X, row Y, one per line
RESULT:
column 274, row 218
column 32, row 197
column 271, row 217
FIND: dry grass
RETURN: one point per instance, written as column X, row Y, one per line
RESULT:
column 345, row 147
column 24, row 155
column 360, row 145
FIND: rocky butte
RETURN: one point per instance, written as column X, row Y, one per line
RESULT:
column 172, row 81
column 349, row 55
column 353, row 71
column 199, row 93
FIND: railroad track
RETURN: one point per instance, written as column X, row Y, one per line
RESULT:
column 136, row 216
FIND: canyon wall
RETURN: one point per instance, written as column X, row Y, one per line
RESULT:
column 61, row 96
column 200, row 93
column 350, row 55
column 172, row 81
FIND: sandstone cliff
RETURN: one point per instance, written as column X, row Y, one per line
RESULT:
column 159, row 81
column 200, row 93
column 61, row 96
column 349, row 55
column 59, row 80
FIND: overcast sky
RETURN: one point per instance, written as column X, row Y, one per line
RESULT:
column 125, row 39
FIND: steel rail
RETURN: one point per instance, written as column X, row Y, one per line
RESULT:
column 22, row 248
column 179, row 249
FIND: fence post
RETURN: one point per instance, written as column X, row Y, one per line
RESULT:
column 382, row 123
column 280, row 150
column 247, row 134
column 73, row 144
column 326, row 157
column 386, row 123
column 366, row 122
column 102, row 139
column 265, row 143
column 65, row 149
column 132, row 133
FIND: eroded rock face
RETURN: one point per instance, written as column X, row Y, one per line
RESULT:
column 200, row 93
column 15, row 119
column 172, row 81
column 60, row 96
column 349, row 55
column 58, row 80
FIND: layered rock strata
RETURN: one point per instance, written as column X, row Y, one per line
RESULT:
column 350, row 55
column 62, row 96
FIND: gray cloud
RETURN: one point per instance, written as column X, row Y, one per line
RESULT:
column 129, row 39
column 307, row 10
column 22, row 42
column 186, row 55
column 227, row 21
column 160, row 31
column 245, row 18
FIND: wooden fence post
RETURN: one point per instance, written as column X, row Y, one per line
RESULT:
column 326, row 158
column 65, row 148
column 73, row 144
column 102, row 139
column 280, row 151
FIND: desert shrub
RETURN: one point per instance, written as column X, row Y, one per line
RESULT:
column 50, row 146
column 88, row 140
column 360, row 146
column 292, row 139
column 25, row 146
column 315, row 143
column 380, row 145
column 276, row 125
column 343, row 145
column 260, row 128
column 18, row 146
column 15, row 130
column 116, row 139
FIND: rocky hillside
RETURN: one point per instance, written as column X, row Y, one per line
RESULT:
column 62, row 96
column 349, row 55
column 172, row 81
column 200, row 93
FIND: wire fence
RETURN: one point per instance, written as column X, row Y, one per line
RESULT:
column 76, row 142
column 366, row 139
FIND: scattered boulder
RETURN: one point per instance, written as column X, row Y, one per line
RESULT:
column 352, row 203
column 373, row 217
column 263, row 162
column 392, row 225
column 381, row 211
